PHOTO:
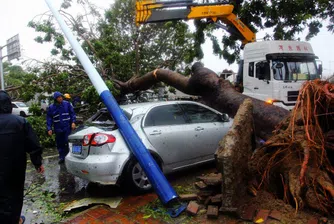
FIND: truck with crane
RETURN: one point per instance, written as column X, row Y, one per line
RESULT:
column 272, row 71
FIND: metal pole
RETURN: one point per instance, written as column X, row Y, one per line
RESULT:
column 159, row 182
column 1, row 71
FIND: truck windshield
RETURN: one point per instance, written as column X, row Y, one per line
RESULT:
column 290, row 70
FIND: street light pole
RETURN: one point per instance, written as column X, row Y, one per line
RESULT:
column 1, row 71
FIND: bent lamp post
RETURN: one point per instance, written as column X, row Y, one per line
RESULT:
column 159, row 182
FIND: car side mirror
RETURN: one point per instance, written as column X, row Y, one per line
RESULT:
column 225, row 117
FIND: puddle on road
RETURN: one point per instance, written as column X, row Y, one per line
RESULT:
column 46, row 194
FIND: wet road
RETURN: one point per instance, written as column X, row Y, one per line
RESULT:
column 47, row 194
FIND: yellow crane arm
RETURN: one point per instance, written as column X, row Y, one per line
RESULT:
column 152, row 11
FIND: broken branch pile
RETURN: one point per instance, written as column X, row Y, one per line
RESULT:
column 297, row 161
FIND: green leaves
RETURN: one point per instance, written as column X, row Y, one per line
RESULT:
column 314, row 28
column 131, row 50
column 39, row 197
column 39, row 39
column 171, row 89
column 16, row 77
column 38, row 124
column 90, row 96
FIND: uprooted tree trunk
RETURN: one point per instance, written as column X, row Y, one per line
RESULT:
column 234, row 149
column 297, row 161
column 215, row 92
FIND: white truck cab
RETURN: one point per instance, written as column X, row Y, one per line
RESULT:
column 273, row 71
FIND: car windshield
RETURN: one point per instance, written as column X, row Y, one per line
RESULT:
column 293, row 70
column 21, row 104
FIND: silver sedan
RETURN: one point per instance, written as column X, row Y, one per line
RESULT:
column 178, row 134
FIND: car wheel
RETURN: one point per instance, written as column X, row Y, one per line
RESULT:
column 22, row 114
column 136, row 178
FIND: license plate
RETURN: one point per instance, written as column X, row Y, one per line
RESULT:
column 76, row 149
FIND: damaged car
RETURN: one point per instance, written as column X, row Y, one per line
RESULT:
column 178, row 134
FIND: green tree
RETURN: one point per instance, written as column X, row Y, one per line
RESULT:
column 38, row 123
column 19, row 82
column 14, row 74
column 116, row 46
column 130, row 50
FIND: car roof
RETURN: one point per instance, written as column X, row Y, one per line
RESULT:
column 139, row 108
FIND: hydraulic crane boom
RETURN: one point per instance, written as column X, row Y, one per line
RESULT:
column 152, row 11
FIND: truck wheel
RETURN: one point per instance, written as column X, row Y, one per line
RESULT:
column 22, row 114
column 136, row 179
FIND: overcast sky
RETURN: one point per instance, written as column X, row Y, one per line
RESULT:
column 15, row 15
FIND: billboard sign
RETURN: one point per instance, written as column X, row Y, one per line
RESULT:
column 13, row 48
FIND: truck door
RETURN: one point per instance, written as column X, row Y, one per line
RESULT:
column 257, row 80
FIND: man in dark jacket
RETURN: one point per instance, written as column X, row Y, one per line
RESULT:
column 16, row 140
column 61, row 116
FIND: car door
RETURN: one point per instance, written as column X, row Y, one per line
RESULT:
column 165, row 128
column 206, row 129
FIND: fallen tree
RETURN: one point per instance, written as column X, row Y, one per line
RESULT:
column 215, row 92
column 296, row 163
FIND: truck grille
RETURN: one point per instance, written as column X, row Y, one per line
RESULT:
column 293, row 95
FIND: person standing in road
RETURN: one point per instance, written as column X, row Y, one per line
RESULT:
column 62, row 117
column 17, row 138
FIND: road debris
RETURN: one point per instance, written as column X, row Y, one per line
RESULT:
column 188, row 197
column 212, row 212
column 192, row 208
column 111, row 202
